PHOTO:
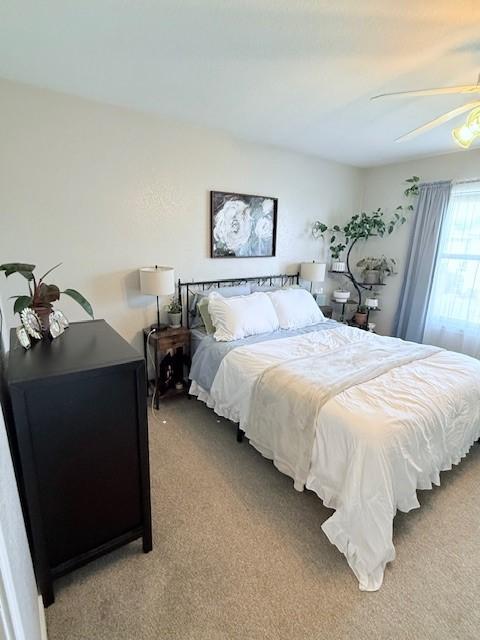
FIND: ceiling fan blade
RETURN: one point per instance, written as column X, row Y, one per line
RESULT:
column 440, row 120
column 468, row 88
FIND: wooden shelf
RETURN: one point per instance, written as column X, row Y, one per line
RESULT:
column 362, row 284
column 369, row 284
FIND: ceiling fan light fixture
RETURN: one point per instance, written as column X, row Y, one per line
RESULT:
column 473, row 121
column 464, row 136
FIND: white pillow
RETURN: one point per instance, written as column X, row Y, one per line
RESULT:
column 240, row 316
column 295, row 308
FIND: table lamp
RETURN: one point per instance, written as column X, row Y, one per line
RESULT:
column 157, row 281
column 312, row 272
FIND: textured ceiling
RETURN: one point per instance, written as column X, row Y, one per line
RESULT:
column 294, row 73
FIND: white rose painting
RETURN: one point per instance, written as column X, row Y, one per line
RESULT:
column 243, row 226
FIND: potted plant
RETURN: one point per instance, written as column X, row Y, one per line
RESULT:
column 174, row 311
column 363, row 226
column 386, row 267
column 360, row 317
column 41, row 295
column 370, row 273
column 337, row 264
column 375, row 269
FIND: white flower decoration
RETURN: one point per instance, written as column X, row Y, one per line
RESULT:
column 264, row 228
column 233, row 225
column 267, row 206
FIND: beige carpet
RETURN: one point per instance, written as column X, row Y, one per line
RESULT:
column 239, row 554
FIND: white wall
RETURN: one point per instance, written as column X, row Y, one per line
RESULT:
column 107, row 190
column 20, row 615
column 383, row 187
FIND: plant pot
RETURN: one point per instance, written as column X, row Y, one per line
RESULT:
column 338, row 266
column 360, row 319
column 372, row 303
column 43, row 313
column 372, row 276
column 341, row 296
column 175, row 320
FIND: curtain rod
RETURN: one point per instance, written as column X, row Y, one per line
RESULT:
column 466, row 181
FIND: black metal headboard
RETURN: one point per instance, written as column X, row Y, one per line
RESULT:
column 187, row 289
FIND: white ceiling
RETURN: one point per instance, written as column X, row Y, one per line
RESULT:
column 294, row 73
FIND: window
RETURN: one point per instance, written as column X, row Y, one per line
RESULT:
column 453, row 318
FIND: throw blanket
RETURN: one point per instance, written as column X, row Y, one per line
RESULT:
column 288, row 396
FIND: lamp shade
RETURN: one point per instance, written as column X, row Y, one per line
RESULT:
column 157, row 281
column 313, row 271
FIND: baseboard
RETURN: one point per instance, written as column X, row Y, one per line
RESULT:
column 43, row 622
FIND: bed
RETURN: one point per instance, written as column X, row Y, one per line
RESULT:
column 362, row 420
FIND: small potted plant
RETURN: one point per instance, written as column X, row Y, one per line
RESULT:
column 360, row 317
column 337, row 264
column 174, row 311
column 386, row 267
column 370, row 273
column 375, row 269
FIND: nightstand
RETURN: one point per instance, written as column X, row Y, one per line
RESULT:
column 171, row 357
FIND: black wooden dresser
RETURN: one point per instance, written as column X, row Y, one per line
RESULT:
column 80, row 438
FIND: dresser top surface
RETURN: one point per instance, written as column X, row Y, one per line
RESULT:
column 84, row 346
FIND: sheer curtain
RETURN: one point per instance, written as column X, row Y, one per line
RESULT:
column 453, row 316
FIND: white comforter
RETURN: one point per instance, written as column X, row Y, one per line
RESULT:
column 372, row 444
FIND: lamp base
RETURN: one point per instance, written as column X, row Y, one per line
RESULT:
column 159, row 327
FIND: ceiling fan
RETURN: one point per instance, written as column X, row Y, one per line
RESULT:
column 463, row 135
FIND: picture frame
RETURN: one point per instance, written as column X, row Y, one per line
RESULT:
column 242, row 225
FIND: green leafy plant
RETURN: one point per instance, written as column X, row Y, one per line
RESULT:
column 386, row 266
column 414, row 187
column 363, row 226
column 337, row 251
column 40, row 295
column 174, row 306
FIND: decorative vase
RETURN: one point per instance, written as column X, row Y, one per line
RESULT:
column 338, row 266
column 372, row 276
column 43, row 313
column 175, row 320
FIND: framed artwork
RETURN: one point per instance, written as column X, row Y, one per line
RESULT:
column 242, row 226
